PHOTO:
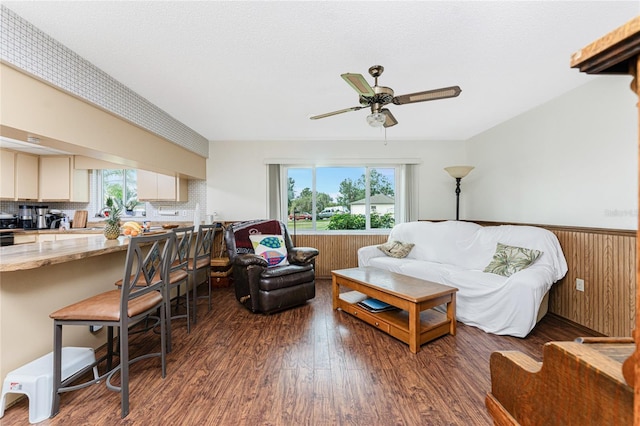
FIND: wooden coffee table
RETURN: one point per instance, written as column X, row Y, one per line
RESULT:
column 415, row 322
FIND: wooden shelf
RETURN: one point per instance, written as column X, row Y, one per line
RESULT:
column 433, row 324
column 220, row 262
column 221, row 273
column 220, row 267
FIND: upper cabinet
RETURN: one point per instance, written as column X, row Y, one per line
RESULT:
column 158, row 187
column 8, row 171
column 19, row 173
column 54, row 178
column 46, row 178
column 59, row 181
column 26, row 176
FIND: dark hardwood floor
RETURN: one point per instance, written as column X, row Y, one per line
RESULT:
column 304, row 366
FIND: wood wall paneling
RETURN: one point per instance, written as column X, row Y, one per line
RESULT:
column 606, row 263
column 337, row 251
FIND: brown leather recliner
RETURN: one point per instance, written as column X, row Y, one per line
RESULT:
column 263, row 288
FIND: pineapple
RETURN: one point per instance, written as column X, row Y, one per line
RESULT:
column 112, row 226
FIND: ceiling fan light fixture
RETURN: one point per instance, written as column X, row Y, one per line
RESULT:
column 376, row 119
column 376, row 97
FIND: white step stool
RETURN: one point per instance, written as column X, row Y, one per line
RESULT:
column 35, row 380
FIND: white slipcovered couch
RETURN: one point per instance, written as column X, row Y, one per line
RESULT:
column 455, row 253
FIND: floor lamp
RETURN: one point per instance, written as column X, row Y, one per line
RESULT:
column 458, row 172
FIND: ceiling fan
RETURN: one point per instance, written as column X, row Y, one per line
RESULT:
column 377, row 97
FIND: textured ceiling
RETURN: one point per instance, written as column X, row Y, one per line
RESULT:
column 257, row 70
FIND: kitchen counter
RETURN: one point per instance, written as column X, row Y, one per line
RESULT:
column 95, row 230
column 35, row 255
column 53, row 231
column 92, row 228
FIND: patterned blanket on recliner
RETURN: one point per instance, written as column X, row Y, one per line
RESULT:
column 255, row 227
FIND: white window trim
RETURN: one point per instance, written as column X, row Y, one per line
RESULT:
column 401, row 209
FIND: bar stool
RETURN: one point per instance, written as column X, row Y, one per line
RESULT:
column 200, row 263
column 178, row 275
column 142, row 293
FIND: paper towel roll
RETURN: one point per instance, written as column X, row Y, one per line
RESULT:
column 196, row 218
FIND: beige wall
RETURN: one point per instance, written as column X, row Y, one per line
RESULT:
column 30, row 107
column 237, row 187
column 571, row 161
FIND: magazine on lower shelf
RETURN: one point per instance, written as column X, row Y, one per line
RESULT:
column 375, row 305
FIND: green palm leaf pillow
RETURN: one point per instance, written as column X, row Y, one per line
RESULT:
column 396, row 249
column 507, row 260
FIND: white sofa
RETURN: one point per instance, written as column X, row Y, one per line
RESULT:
column 455, row 253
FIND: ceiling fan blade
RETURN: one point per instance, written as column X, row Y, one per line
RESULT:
column 429, row 95
column 329, row 114
column 390, row 120
column 358, row 83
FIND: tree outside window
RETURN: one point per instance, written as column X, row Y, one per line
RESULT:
column 121, row 185
column 344, row 198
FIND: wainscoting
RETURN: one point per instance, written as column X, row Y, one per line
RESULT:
column 604, row 259
column 337, row 251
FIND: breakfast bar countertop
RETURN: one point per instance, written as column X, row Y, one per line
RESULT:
column 30, row 256
column 95, row 230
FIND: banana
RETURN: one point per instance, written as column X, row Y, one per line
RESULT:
column 133, row 225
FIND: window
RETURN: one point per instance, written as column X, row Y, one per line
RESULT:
column 121, row 184
column 342, row 198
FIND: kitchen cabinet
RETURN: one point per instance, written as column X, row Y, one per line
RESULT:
column 25, row 238
column 8, row 170
column 26, row 176
column 32, row 237
column 59, row 181
column 158, row 187
column 74, row 236
column 46, row 178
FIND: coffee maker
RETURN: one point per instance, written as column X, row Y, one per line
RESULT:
column 25, row 217
column 41, row 217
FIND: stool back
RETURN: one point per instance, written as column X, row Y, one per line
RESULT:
column 204, row 242
column 148, row 272
column 180, row 257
